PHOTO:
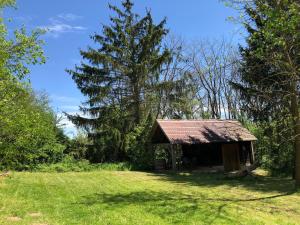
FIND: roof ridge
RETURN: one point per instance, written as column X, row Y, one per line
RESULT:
column 200, row 120
column 203, row 131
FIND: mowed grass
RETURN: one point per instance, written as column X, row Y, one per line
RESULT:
column 115, row 197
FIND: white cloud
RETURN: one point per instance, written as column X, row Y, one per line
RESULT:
column 64, row 122
column 59, row 25
column 69, row 128
column 69, row 16
column 70, row 105
column 57, row 29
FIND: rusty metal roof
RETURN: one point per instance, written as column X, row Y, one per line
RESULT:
column 201, row 131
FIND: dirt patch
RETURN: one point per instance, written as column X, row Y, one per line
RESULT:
column 14, row 218
column 35, row 214
column 5, row 174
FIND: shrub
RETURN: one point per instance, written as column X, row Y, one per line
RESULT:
column 69, row 164
column 273, row 148
column 138, row 149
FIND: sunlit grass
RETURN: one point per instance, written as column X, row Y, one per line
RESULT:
column 125, row 197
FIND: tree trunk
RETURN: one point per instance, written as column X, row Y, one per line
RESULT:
column 173, row 155
column 297, row 152
column 137, row 102
column 296, row 119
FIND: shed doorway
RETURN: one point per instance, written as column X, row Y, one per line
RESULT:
column 202, row 155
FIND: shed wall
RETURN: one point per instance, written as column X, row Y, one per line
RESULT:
column 231, row 156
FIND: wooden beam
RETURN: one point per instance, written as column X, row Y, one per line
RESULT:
column 173, row 154
column 252, row 153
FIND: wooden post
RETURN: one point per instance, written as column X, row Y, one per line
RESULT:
column 252, row 153
column 173, row 154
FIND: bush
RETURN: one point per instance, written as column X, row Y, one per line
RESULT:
column 138, row 149
column 274, row 147
column 69, row 164
column 28, row 132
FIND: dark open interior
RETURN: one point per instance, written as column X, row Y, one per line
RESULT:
column 216, row 154
column 202, row 155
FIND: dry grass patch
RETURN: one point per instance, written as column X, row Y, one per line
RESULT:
column 39, row 224
column 35, row 214
column 14, row 218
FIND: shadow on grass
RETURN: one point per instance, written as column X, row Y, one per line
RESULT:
column 208, row 207
column 175, row 207
column 254, row 183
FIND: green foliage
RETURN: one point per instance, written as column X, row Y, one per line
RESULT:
column 17, row 53
column 138, row 149
column 69, row 164
column 7, row 3
column 28, row 132
column 273, row 148
column 120, row 80
column 78, row 146
column 269, row 84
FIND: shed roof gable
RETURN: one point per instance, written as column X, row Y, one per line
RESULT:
column 200, row 131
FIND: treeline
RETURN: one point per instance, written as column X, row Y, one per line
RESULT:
column 138, row 72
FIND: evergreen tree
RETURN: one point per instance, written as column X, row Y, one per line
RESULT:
column 259, row 77
column 270, row 73
column 119, row 79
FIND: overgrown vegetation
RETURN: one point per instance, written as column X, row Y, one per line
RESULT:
column 69, row 164
column 28, row 132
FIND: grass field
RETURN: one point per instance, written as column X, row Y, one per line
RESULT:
column 115, row 197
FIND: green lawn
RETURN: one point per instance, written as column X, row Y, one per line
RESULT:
column 114, row 197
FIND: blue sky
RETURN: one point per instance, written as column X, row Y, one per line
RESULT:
column 70, row 24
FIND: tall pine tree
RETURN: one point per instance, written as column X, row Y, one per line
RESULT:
column 119, row 79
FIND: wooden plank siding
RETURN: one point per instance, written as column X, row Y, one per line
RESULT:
column 231, row 157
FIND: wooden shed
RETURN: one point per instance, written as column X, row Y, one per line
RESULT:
column 205, row 143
